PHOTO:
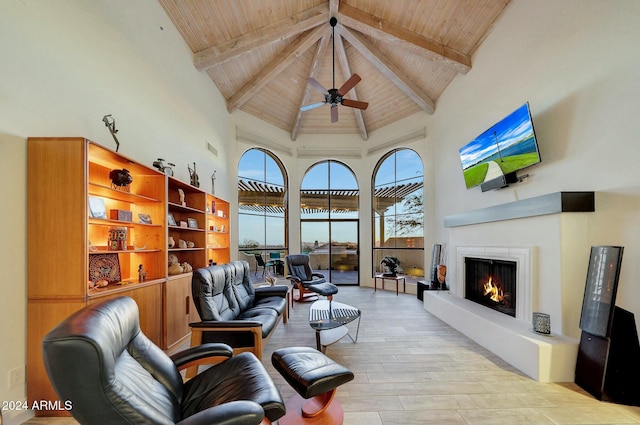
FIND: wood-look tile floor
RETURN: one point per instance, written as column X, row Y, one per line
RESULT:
column 411, row 368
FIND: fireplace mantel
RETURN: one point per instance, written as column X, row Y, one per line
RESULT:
column 552, row 203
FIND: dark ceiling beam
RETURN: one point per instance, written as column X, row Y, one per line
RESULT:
column 395, row 35
column 389, row 70
column 321, row 50
column 286, row 28
column 275, row 67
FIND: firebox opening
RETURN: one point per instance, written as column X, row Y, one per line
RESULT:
column 491, row 283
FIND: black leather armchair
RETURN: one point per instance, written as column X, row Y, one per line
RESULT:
column 308, row 282
column 99, row 360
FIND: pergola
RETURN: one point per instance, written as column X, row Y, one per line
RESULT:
column 260, row 197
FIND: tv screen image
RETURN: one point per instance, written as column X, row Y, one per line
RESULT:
column 508, row 146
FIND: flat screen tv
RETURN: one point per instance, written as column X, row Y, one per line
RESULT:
column 508, row 146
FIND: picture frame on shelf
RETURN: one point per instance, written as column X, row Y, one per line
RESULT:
column 144, row 218
column 121, row 215
column 184, row 224
column 171, row 220
column 193, row 223
column 104, row 267
column 97, row 208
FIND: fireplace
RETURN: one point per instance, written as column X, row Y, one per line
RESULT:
column 492, row 283
column 511, row 338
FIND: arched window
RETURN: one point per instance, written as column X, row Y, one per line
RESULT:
column 329, row 221
column 398, row 212
column 262, row 206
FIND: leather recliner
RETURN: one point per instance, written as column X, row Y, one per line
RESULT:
column 99, row 360
column 308, row 283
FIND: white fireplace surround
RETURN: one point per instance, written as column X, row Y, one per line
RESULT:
column 544, row 358
column 524, row 258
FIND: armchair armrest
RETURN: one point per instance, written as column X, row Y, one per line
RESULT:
column 293, row 279
column 269, row 291
column 241, row 412
column 314, row 274
column 200, row 352
column 213, row 325
column 199, row 329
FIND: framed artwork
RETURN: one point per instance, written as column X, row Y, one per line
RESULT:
column 171, row 220
column 104, row 266
column 144, row 218
column 193, row 223
column 97, row 208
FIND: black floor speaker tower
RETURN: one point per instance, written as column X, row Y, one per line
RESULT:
column 608, row 367
column 608, row 364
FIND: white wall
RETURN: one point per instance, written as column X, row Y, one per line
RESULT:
column 577, row 63
column 66, row 64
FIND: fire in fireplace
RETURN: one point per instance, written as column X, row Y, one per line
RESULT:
column 491, row 283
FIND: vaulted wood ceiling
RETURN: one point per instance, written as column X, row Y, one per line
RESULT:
column 259, row 54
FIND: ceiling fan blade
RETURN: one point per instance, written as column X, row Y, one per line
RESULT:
column 355, row 103
column 311, row 106
column 334, row 114
column 316, row 85
column 349, row 84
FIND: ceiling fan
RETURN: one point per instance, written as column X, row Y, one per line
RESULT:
column 334, row 96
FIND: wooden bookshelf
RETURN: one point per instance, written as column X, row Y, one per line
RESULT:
column 74, row 210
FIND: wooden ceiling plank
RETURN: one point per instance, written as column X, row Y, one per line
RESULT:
column 289, row 27
column 388, row 32
column 313, row 72
column 333, row 8
column 273, row 68
column 353, row 94
column 389, row 70
column 181, row 22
